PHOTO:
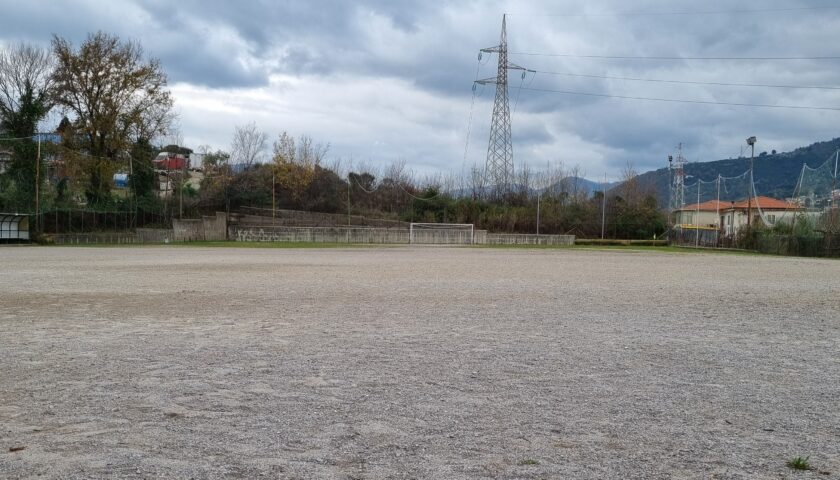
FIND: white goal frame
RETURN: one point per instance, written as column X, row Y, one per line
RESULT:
column 416, row 226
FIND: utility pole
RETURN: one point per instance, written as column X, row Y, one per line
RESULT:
column 273, row 197
column 834, row 179
column 133, row 192
column 604, row 207
column 349, row 179
column 181, row 193
column 499, row 168
column 751, row 187
column 538, row 212
column 38, row 186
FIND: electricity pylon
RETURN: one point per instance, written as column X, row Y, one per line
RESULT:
column 498, row 171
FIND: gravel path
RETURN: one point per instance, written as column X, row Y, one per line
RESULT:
column 441, row 363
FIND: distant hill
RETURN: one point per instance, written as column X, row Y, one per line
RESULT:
column 775, row 174
column 570, row 184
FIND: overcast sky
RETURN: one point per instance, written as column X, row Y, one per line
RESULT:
column 387, row 80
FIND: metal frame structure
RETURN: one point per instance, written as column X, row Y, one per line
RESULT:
column 498, row 171
column 14, row 227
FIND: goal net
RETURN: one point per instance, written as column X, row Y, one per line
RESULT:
column 442, row 233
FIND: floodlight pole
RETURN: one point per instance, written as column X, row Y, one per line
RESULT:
column 751, row 189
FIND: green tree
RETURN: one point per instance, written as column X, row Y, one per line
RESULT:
column 25, row 99
column 116, row 99
column 142, row 180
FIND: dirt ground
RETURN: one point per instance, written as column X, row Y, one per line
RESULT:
column 403, row 362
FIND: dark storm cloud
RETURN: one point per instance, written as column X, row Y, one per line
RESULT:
column 383, row 79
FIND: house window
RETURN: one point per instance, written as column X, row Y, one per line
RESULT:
column 771, row 219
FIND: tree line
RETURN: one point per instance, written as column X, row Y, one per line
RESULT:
column 114, row 113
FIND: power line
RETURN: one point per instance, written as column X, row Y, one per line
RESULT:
column 640, row 57
column 658, row 14
column 688, row 82
column 676, row 100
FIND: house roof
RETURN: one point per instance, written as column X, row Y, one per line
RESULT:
column 709, row 206
column 765, row 203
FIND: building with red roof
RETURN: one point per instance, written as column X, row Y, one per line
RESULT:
column 729, row 216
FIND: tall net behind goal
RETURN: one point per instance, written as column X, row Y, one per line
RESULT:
column 442, row 233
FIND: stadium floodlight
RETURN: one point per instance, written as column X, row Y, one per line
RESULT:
column 441, row 233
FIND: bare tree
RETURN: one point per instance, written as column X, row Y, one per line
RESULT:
column 477, row 182
column 25, row 88
column 309, row 152
column 249, row 144
column 397, row 172
column 630, row 188
column 295, row 163
column 524, row 180
column 578, row 191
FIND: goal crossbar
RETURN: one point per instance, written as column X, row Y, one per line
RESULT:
column 442, row 233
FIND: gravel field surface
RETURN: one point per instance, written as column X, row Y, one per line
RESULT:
column 405, row 362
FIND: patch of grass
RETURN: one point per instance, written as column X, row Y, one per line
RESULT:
column 529, row 461
column 799, row 463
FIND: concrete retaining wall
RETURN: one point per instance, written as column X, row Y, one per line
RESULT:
column 528, row 239
column 215, row 227
column 188, row 230
column 388, row 235
column 212, row 228
column 155, row 235
column 320, row 234
column 93, row 238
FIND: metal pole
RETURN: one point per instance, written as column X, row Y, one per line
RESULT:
column 181, row 193
column 697, row 218
column 273, row 197
column 133, row 192
column 750, row 189
column 604, row 206
column 834, row 180
column 717, row 213
column 37, row 186
column 349, row 179
column 538, row 214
